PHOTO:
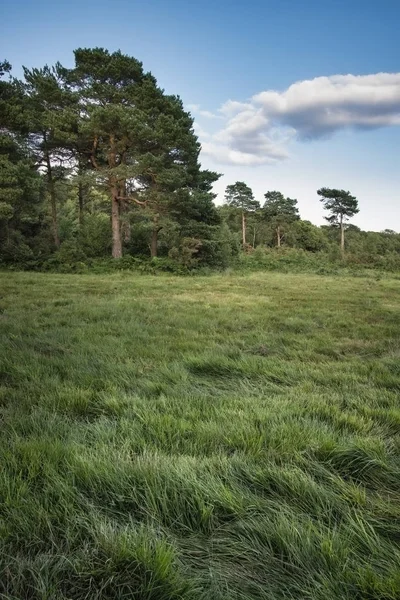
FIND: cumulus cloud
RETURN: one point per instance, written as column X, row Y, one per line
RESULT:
column 232, row 107
column 267, row 152
column 325, row 104
column 258, row 131
column 200, row 132
column 196, row 109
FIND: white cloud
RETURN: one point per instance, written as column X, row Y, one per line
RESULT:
column 200, row 132
column 196, row 108
column 258, row 131
column 208, row 114
column 232, row 107
column 326, row 104
column 224, row 154
column 193, row 107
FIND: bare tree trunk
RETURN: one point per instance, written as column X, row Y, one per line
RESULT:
column 115, row 203
column 80, row 203
column 53, row 202
column 342, row 236
column 126, row 224
column 115, row 224
column 244, row 230
column 154, row 237
column 278, row 236
column 126, row 231
column 254, row 236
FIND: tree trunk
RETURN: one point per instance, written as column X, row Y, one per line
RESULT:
column 126, row 231
column 126, row 224
column 115, row 203
column 244, row 230
column 115, row 224
column 80, row 203
column 341, row 236
column 53, row 202
column 254, row 237
column 278, row 236
column 154, row 237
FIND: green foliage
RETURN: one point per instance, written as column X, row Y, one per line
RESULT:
column 341, row 204
column 307, row 236
column 94, row 235
column 288, row 260
column 140, row 141
column 106, row 125
column 276, row 206
column 69, row 258
column 20, row 201
column 186, row 254
column 239, row 195
column 101, row 144
column 279, row 212
column 173, row 438
column 228, row 247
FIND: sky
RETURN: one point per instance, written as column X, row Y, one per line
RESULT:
column 288, row 95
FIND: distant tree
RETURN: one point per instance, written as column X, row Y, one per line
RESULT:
column 342, row 206
column 239, row 195
column 307, row 236
column 280, row 212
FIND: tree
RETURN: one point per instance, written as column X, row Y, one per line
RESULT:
column 308, row 237
column 240, row 196
column 141, row 142
column 280, row 212
column 20, row 183
column 342, row 206
column 49, row 115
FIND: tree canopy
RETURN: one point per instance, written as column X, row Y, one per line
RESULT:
column 96, row 159
column 341, row 206
column 279, row 211
column 239, row 195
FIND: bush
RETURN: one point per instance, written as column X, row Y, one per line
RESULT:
column 94, row 236
column 16, row 251
column 69, row 258
column 186, row 254
column 150, row 266
column 220, row 250
column 285, row 260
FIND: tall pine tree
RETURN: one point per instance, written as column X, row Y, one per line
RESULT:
column 341, row 206
column 140, row 142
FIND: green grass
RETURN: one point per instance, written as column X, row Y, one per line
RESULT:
column 219, row 438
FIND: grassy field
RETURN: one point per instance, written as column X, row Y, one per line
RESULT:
column 217, row 438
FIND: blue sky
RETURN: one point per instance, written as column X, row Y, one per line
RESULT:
column 290, row 125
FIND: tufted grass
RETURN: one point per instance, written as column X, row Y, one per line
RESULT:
column 219, row 438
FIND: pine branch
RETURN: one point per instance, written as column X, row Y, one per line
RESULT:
column 132, row 199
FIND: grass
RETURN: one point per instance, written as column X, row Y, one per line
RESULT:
column 219, row 438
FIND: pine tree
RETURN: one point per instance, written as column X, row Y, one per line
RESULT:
column 342, row 206
column 20, row 183
column 141, row 143
column 280, row 212
column 239, row 195
column 48, row 111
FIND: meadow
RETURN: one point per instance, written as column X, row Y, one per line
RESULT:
column 228, row 437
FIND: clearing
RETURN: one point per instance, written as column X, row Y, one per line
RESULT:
column 201, row 438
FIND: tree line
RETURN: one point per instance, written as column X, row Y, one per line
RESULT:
column 97, row 160
column 280, row 212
